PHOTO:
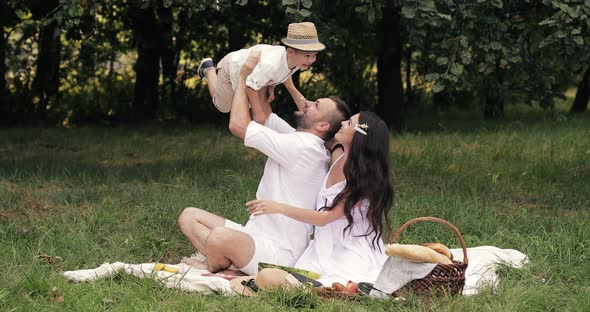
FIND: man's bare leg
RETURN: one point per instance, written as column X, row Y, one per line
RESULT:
column 228, row 247
column 196, row 224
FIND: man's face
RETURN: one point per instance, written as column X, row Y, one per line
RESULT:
column 316, row 112
column 303, row 59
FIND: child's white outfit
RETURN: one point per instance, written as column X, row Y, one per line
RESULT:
column 271, row 70
column 342, row 256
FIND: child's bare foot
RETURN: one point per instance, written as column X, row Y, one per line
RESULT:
column 195, row 263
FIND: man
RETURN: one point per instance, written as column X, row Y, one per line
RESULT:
column 293, row 174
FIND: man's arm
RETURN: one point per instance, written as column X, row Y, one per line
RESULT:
column 239, row 117
column 260, row 103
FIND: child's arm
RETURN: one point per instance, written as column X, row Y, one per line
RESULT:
column 298, row 98
column 318, row 218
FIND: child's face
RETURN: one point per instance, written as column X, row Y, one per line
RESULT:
column 302, row 59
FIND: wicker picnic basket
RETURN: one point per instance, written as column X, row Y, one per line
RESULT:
column 445, row 278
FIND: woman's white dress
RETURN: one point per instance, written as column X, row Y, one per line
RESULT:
column 338, row 256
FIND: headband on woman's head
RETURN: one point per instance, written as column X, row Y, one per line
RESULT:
column 360, row 128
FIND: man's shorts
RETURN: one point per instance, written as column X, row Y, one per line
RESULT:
column 265, row 250
column 224, row 93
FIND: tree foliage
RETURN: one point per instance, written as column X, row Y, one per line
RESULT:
column 82, row 60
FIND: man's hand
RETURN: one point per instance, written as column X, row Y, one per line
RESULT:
column 266, row 94
column 249, row 64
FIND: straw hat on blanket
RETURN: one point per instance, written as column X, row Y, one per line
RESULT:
column 267, row 279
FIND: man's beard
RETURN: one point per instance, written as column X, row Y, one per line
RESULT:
column 300, row 121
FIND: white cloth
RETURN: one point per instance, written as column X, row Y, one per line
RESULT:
column 483, row 265
column 271, row 70
column 396, row 273
column 480, row 273
column 293, row 174
column 187, row 278
column 340, row 256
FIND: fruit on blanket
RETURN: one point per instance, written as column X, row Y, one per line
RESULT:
column 163, row 267
column 351, row 288
column 338, row 287
column 440, row 248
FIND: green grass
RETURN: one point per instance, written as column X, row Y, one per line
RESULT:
column 94, row 195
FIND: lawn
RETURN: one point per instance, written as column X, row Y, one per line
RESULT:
column 92, row 195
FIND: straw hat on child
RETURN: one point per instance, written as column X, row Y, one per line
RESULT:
column 304, row 37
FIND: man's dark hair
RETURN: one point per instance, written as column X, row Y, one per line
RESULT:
column 341, row 113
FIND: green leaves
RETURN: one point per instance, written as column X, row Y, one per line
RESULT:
column 304, row 12
column 457, row 69
column 298, row 8
column 438, row 87
column 442, row 60
column 307, row 3
column 408, row 10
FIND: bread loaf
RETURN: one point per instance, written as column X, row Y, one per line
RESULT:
column 440, row 248
column 416, row 253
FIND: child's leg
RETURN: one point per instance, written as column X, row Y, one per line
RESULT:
column 221, row 91
column 211, row 75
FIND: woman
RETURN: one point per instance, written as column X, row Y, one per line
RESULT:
column 352, row 207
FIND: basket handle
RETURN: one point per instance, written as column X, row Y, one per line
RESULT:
column 433, row 219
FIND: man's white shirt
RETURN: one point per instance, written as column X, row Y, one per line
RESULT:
column 293, row 175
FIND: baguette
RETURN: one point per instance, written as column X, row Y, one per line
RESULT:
column 416, row 253
column 440, row 248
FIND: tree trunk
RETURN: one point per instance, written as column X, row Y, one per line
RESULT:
column 147, row 69
column 167, row 54
column 3, row 46
column 409, row 90
column 46, row 82
column 390, row 89
column 494, row 103
column 494, row 106
column 582, row 94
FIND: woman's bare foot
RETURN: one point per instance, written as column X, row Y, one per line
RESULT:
column 195, row 263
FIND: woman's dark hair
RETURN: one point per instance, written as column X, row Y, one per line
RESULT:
column 367, row 176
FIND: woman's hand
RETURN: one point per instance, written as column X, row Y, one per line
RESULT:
column 263, row 206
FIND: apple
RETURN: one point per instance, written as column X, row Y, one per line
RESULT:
column 338, row 287
column 351, row 288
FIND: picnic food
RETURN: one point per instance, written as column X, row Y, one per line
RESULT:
column 440, row 248
column 416, row 253
column 338, row 287
column 351, row 288
column 163, row 267
column 310, row 274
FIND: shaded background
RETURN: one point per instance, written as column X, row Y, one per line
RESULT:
column 72, row 62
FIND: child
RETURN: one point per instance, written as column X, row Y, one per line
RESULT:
column 276, row 65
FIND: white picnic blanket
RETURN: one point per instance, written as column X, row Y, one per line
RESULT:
column 481, row 272
column 187, row 278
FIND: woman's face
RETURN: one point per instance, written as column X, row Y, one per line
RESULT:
column 346, row 132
